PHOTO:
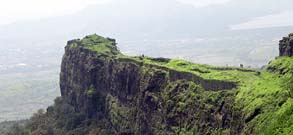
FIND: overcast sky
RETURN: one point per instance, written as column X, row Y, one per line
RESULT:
column 12, row 11
column 18, row 10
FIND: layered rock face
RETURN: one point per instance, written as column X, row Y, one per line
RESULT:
column 286, row 46
column 133, row 95
column 107, row 93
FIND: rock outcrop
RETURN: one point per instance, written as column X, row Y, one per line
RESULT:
column 107, row 93
column 286, row 46
column 136, row 97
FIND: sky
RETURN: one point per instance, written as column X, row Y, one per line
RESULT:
column 203, row 3
column 22, row 10
column 12, row 11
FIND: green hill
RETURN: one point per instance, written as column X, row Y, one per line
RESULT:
column 106, row 92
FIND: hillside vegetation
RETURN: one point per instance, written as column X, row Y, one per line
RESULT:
column 106, row 92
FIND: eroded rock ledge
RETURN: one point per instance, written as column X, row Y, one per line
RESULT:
column 136, row 96
column 286, row 46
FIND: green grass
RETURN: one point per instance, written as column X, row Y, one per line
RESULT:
column 268, row 93
column 103, row 45
column 233, row 74
column 263, row 96
column 98, row 44
column 281, row 122
column 263, row 90
column 282, row 64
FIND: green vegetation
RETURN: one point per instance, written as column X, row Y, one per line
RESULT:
column 233, row 74
column 185, row 102
column 98, row 44
column 143, row 95
column 261, row 94
column 282, row 64
column 264, row 96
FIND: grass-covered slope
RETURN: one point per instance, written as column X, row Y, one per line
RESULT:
column 106, row 92
column 100, row 45
column 264, row 97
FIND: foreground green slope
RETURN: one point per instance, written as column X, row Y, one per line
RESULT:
column 106, row 92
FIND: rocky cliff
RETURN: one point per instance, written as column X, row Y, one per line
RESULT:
column 106, row 92
column 286, row 46
column 137, row 95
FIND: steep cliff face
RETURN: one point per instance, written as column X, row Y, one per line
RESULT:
column 138, row 97
column 286, row 46
column 105, row 92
